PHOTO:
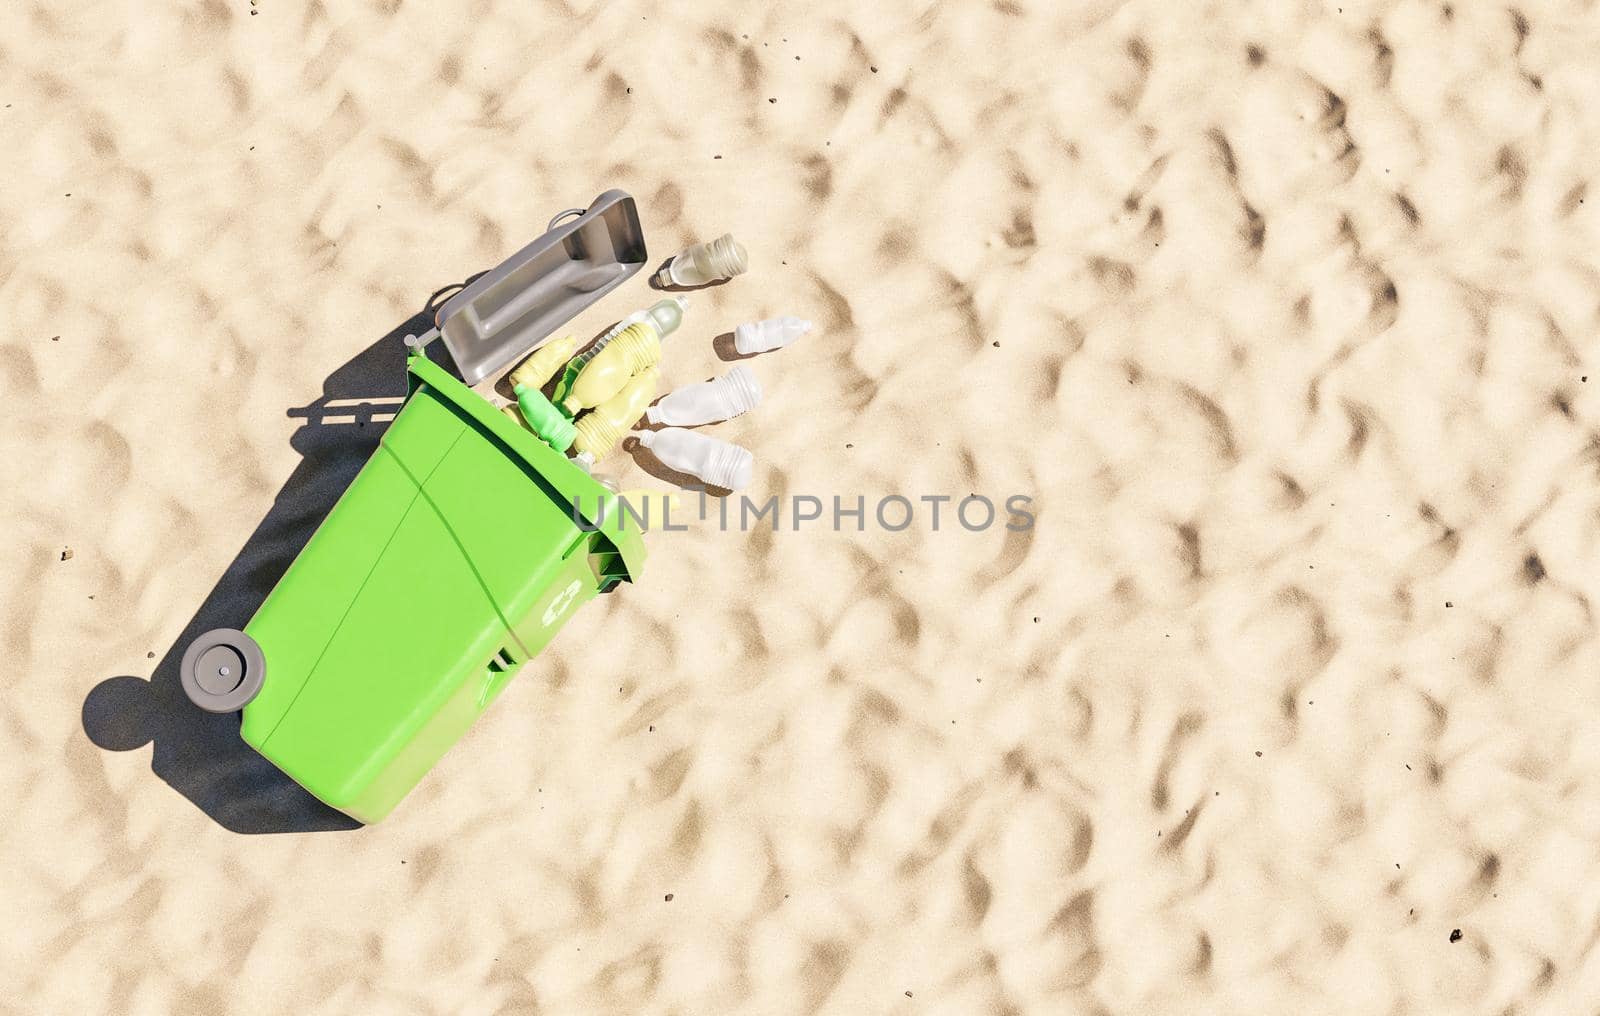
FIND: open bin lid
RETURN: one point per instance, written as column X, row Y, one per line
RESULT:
column 514, row 307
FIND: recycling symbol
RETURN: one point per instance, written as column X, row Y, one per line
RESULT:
column 559, row 605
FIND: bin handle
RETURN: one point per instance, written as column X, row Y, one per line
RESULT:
column 563, row 215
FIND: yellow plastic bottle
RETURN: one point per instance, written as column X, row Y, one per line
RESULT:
column 651, row 509
column 543, row 364
column 601, row 428
column 636, row 349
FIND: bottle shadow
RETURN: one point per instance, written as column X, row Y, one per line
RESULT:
column 726, row 351
column 200, row 754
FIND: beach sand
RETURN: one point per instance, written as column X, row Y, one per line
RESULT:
column 1283, row 314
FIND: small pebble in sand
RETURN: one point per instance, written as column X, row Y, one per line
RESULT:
column 716, row 156
column 1455, row 936
column 908, row 994
column 1258, row 754
column 669, row 897
column 150, row 655
column 1447, row 603
column 874, row 70
column 66, row 555
column 997, row 345
column 55, row 338
column 773, row 101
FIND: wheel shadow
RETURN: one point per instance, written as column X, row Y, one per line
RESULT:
column 200, row 754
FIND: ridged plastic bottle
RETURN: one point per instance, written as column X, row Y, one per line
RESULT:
column 718, row 463
column 599, row 430
column 773, row 333
column 635, row 350
column 728, row 396
column 696, row 265
column 597, row 373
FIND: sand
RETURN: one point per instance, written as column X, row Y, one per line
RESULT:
column 1283, row 314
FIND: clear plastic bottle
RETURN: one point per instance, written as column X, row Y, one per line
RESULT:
column 722, row 258
column 773, row 333
column 728, row 396
column 599, row 430
column 718, row 463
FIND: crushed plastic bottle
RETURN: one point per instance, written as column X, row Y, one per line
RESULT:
column 718, row 463
column 543, row 364
column 728, row 396
column 773, row 333
column 702, row 263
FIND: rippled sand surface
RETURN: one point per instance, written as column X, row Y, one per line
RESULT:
column 1284, row 313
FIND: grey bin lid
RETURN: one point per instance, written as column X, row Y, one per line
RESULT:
column 516, row 306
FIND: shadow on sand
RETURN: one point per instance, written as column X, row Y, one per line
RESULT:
column 200, row 754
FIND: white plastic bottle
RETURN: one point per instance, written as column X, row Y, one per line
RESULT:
column 728, row 396
column 718, row 463
column 773, row 333
column 696, row 265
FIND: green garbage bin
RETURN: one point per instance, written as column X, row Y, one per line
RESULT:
column 455, row 555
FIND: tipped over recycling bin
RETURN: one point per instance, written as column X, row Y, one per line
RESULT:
column 456, row 554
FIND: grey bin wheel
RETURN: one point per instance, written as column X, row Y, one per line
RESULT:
column 223, row 670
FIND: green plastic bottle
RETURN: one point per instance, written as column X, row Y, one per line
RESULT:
column 552, row 426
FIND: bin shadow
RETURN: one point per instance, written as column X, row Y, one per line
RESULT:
column 200, row 754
